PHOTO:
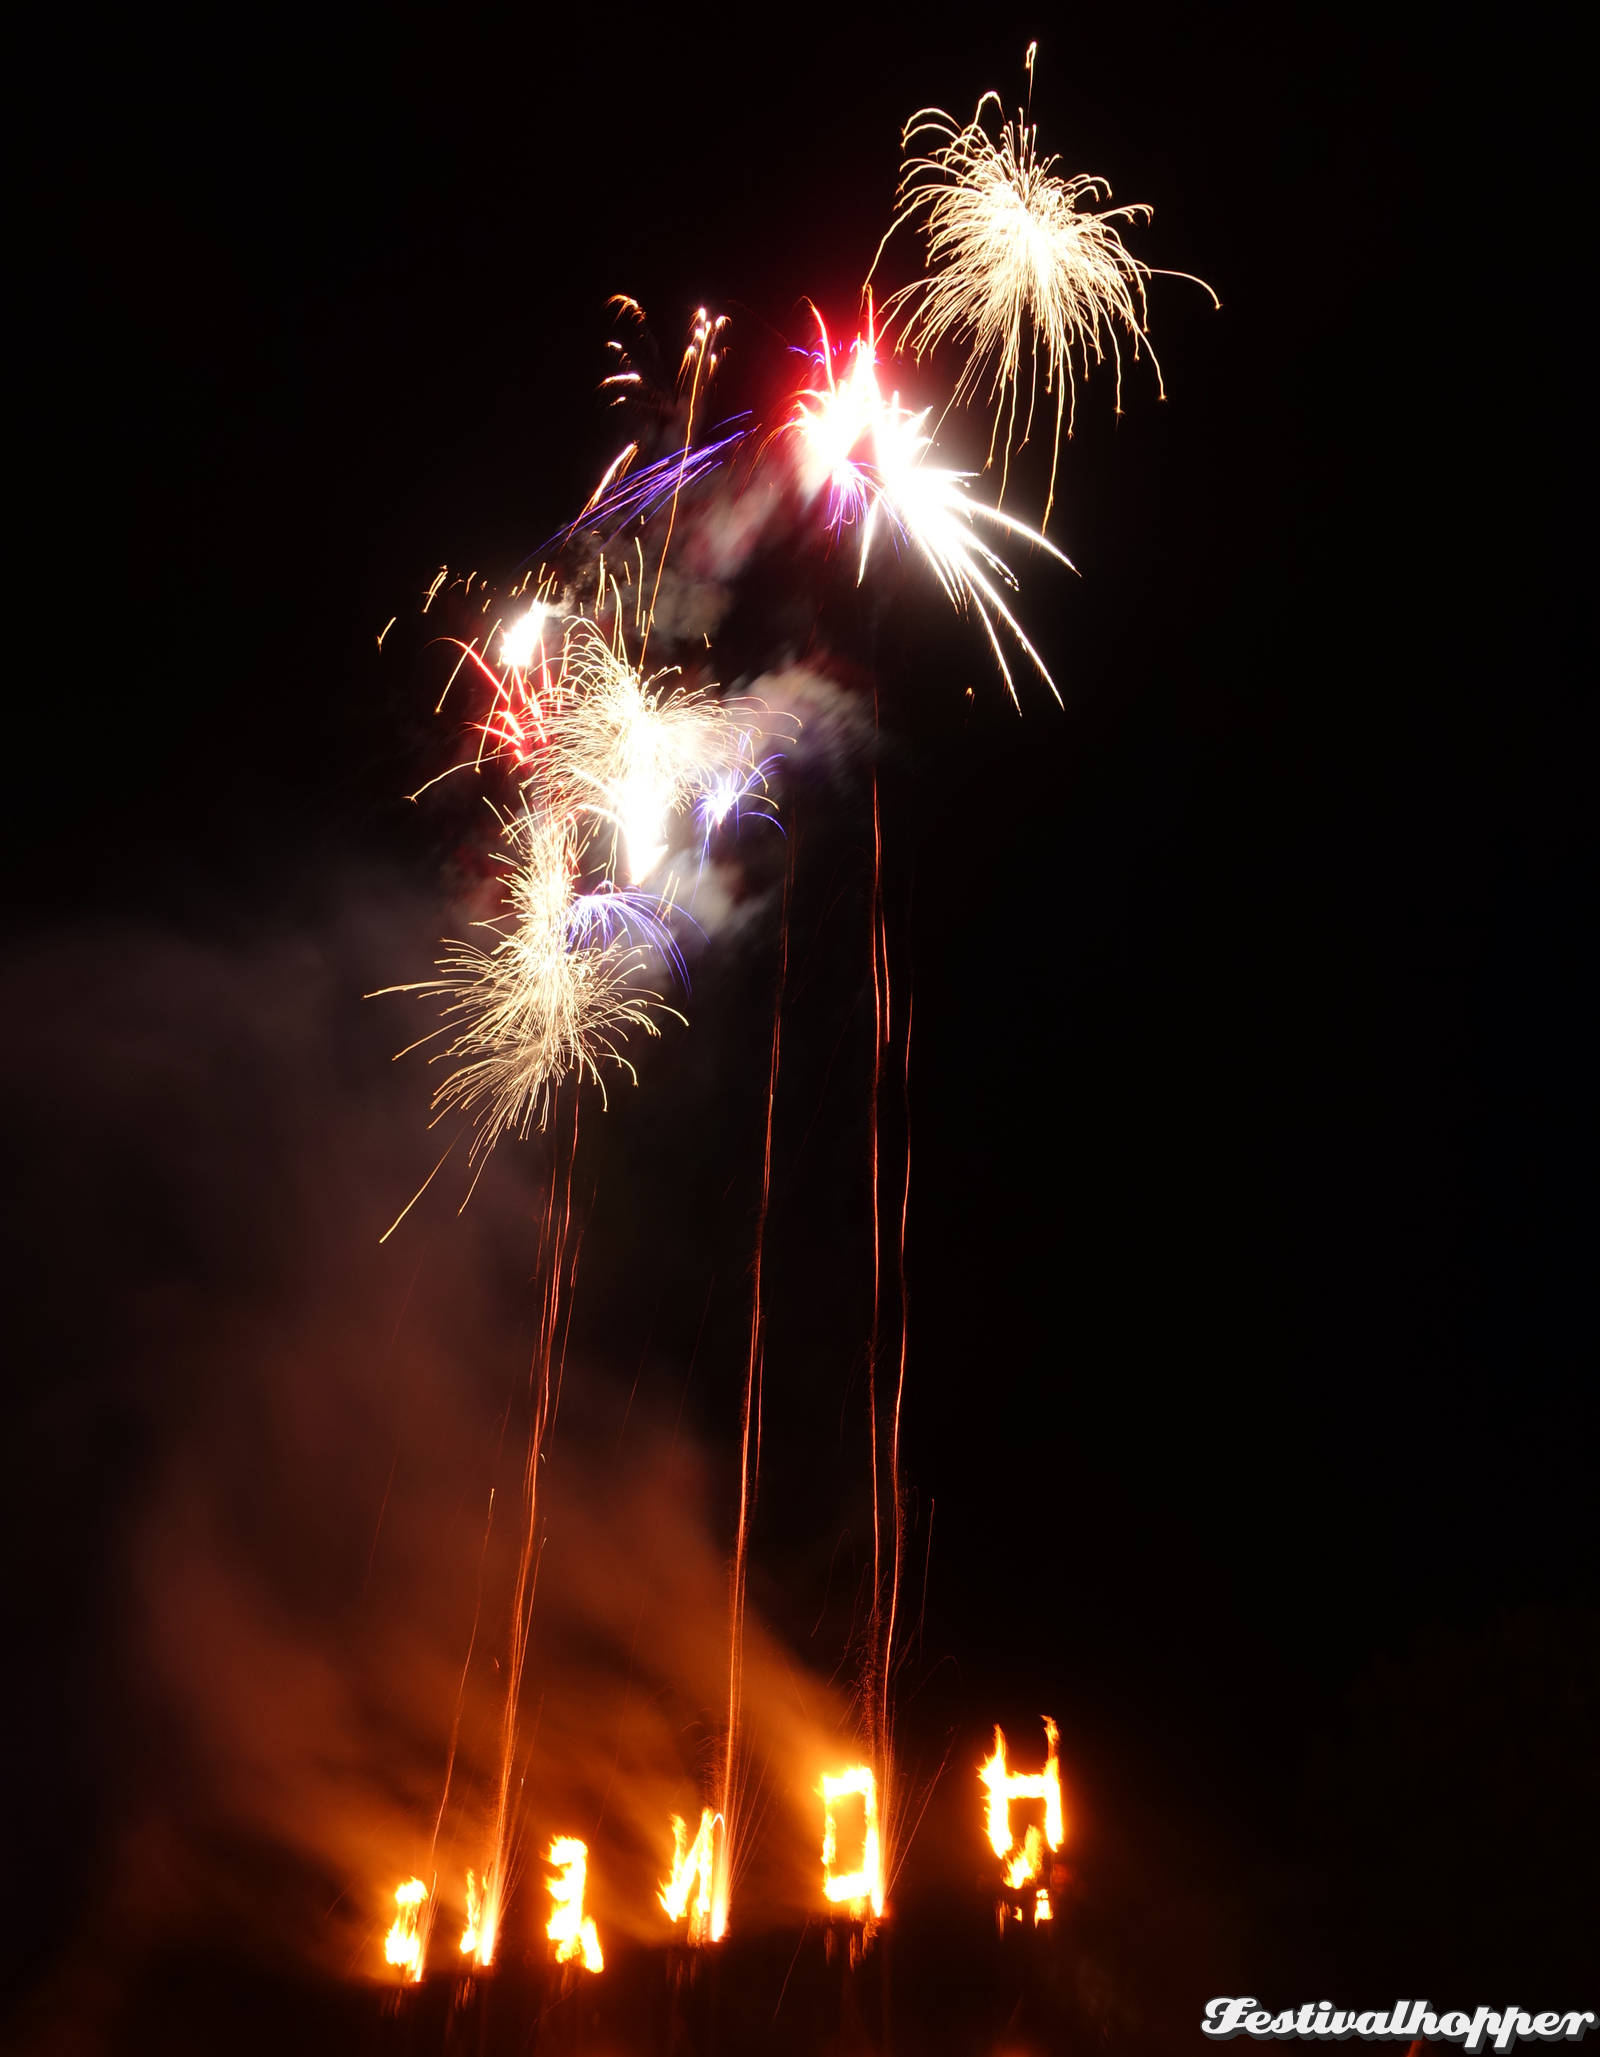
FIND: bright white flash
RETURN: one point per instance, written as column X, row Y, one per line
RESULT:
column 522, row 640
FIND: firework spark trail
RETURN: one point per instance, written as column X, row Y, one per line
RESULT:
column 749, row 1472
column 891, row 1809
column 704, row 359
column 558, row 1273
column 881, row 1017
column 1011, row 245
column 883, row 1613
column 930, row 506
column 624, row 495
column 455, row 1721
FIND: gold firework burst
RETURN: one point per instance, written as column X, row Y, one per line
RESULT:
column 1022, row 263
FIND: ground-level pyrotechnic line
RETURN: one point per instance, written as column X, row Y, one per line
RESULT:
column 749, row 1469
column 557, row 1268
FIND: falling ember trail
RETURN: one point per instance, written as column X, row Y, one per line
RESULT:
column 897, row 1500
column 473, row 1896
column 749, row 1469
column 705, row 332
column 557, row 1271
column 881, row 1023
column 888, row 1503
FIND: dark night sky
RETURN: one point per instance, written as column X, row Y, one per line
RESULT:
column 1245, row 1232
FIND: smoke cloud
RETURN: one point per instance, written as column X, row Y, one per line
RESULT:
column 297, row 1526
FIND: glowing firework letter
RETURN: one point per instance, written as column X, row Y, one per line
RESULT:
column 402, row 1947
column 1024, row 1863
column 862, row 1888
column 470, row 1935
column 689, row 1890
column 569, row 1928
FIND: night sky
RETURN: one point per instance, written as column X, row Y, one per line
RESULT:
column 1246, row 1251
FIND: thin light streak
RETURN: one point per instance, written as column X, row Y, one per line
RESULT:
column 749, row 1466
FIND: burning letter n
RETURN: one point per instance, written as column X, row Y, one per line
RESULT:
column 1024, row 1862
column 691, row 1889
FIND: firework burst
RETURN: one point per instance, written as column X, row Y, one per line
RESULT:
column 736, row 794
column 870, row 455
column 1022, row 263
column 556, row 994
column 634, row 751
